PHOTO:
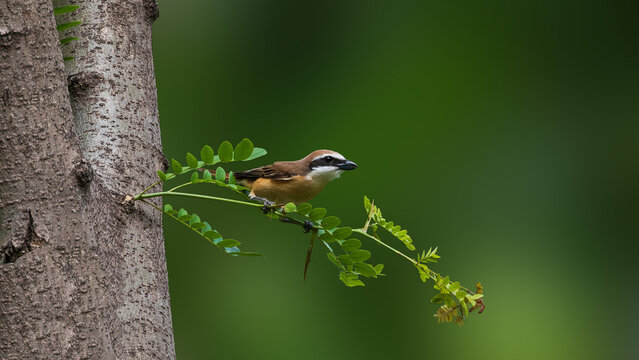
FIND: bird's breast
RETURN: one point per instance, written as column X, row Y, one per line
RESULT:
column 297, row 189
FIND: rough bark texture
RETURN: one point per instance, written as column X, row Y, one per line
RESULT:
column 81, row 275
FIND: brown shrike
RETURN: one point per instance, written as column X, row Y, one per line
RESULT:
column 294, row 181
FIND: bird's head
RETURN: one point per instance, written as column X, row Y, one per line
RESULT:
column 327, row 165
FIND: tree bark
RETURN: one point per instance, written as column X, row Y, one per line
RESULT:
column 82, row 276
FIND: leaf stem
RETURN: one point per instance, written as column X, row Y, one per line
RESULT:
column 198, row 196
column 413, row 261
column 179, row 186
column 206, row 197
column 362, row 232
column 152, row 185
column 178, row 220
column 331, row 250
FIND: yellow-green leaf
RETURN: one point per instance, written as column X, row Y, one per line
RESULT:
column 243, row 150
column 225, row 151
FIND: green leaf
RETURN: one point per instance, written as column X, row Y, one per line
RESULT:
column 207, row 175
column 212, row 234
column 65, row 9
column 182, row 213
column 476, row 296
column 220, row 175
column 423, row 274
column 304, row 208
column 353, row 283
column 176, row 166
column 191, row 161
column 68, row 58
column 465, row 307
column 232, row 250
column 350, row 279
column 345, row 259
column 378, row 268
column 341, row 233
column 168, row 207
column 243, row 150
column 161, row 175
column 317, row 214
column 194, row 176
column 366, row 269
column 330, row 222
column 348, row 275
column 454, row 286
column 360, row 255
column 257, row 152
column 351, row 244
column 327, row 237
column 68, row 25
column 67, row 40
column 207, row 155
column 448, row 300
column 444, row 281
column 333, row 259
column 290, row 208
column 194, row 219
column 197, row 225
column 225, row 151
column 228, row 243
column 460, row 294
column 231, row 178
column 437, row 299
column 367, row 205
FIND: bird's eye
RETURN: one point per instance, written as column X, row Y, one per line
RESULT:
column 328, row 158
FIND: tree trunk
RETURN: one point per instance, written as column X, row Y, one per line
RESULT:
column 82, row 276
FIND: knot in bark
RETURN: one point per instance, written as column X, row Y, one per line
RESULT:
column 84, row 81
column 83, row 172
column 152, row 10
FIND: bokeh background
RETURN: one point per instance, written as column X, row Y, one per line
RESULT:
column 506, row 133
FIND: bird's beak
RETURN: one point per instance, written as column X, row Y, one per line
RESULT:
column 347, row 165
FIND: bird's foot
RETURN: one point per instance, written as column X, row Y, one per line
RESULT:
column 268, row 205
column 308, row 226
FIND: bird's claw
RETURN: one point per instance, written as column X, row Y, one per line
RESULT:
column 308, row 226
column 267, row 205
column 267, row 208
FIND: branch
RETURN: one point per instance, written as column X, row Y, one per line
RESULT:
column 352, row 263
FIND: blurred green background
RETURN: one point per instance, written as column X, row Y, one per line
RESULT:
column 506, row 133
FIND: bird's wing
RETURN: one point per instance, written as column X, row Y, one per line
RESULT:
column 277, row 171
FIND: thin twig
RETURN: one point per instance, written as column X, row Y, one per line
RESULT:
column 179, row 186
column 152, row 185
column 362, row 232
column 198, row 196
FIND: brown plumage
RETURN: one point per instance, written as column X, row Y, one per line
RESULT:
column 294, row 181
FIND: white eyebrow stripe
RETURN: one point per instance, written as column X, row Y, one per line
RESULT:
column 335, row 155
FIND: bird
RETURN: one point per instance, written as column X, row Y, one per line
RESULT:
column 294, row 181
